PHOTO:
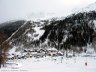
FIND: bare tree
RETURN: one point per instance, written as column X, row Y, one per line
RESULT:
column 3, row 48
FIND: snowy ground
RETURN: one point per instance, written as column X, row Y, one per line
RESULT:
column 52, row 64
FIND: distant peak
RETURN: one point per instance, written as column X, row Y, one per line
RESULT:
column 90, row 7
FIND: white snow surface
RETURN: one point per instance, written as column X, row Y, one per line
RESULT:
column 12, row 50
column 91, row 7
column 39, row 31
column 52, row 64
column 94, row 21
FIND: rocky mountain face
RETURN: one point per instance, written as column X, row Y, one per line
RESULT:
column 73, row 33
column 8, row 28
column 76, row 30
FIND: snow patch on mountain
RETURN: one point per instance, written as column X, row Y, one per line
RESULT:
column 39, row 32
column 11, row 51
column 91, row 7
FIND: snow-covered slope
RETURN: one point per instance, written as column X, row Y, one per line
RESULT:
column 52, row 64
column 73, row 33
column 71, row 37
column 91, row 7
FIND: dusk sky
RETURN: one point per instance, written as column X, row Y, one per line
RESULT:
column 27, row 9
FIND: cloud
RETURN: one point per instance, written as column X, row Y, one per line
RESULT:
column 13, row 9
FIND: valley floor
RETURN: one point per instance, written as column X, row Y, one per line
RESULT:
column 52, row 64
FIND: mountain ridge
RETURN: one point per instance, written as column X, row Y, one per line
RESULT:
column 73, row 33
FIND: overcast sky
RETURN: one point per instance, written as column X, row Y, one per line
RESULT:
column 22, row 9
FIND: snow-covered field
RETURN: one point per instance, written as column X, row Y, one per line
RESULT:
column 52, row 64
